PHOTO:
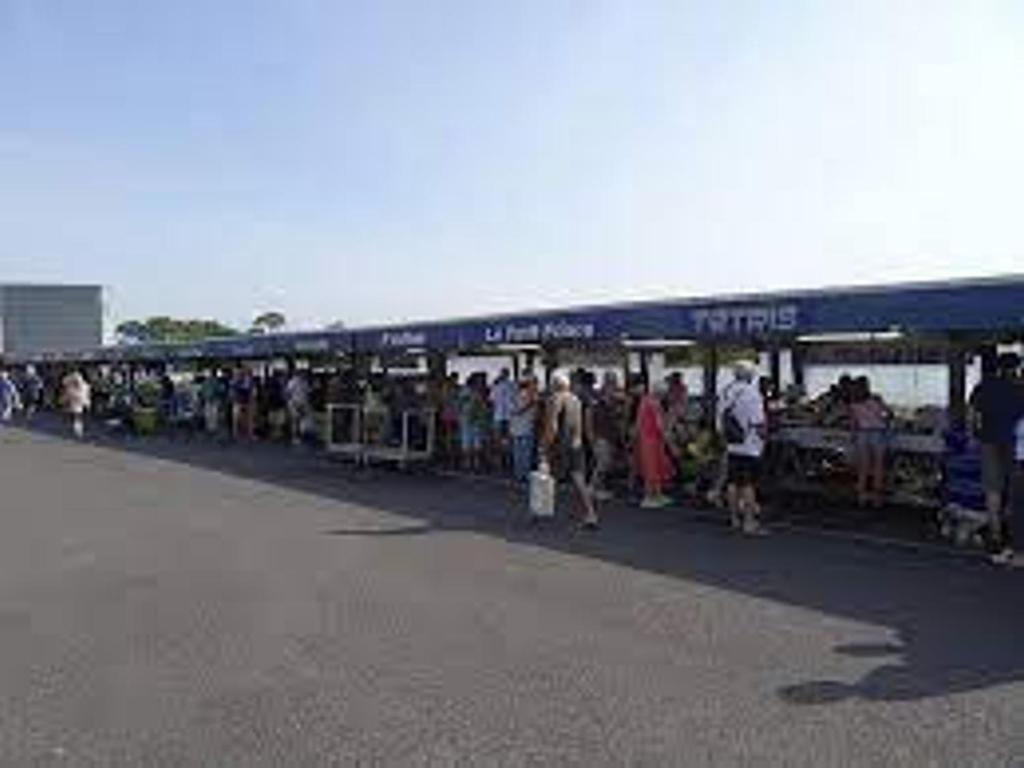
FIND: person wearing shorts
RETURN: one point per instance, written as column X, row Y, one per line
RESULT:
column 743, row 403
column 473, row 415
column 563, row 441
column 521, row 429
column 503, row 402
column 869, row 417
column 997, row 405
column 744, row 471
column 471, row 438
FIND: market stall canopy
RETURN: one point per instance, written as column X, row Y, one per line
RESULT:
column 984, row 305
column 987, row 306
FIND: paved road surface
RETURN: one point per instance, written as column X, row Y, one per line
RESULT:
column 165, row 604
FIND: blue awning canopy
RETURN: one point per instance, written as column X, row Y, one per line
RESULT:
column 984, row 306
column 989, row 306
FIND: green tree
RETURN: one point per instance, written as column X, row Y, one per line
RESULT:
column 268, row 322
column 163, row 329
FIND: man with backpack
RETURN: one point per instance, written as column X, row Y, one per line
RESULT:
column 564, row 445
column 742, row 422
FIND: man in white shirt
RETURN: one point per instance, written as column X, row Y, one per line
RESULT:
column 741, row 418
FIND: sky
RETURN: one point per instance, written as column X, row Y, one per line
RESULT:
column 381, row 161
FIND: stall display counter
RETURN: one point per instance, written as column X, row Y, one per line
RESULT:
column 344, row 430
column 374, row 437
column 814, row 459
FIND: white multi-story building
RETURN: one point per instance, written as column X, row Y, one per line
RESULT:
column 40, row 318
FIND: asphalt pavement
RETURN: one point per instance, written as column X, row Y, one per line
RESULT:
column 187, row 603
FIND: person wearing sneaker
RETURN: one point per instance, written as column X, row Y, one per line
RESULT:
column 741, row 419
column 997, row 405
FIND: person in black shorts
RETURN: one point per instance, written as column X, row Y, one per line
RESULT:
column 742, row 422
column 563, row 441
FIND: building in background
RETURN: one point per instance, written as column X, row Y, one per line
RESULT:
column 39, row 318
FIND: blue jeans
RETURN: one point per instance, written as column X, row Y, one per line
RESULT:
column 522, row 456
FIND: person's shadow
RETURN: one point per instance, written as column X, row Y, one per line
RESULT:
column 944, row 646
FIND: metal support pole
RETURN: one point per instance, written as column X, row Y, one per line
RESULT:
column 550, row 364
column 437, row 366
column 775, row 365
column 797, row 356
column 711, row 388
column 957, row 361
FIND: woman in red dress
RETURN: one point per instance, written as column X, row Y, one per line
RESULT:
column 650, row 455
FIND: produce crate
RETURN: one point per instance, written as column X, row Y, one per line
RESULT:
column 144, row 420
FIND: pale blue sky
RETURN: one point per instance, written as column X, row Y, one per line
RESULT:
column 379, row 161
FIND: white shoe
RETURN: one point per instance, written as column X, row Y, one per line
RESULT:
column 655, row 502
column 753, row 528
column 1006, row 558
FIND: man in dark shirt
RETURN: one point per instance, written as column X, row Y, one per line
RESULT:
column 608, row 423
column 242, row 396
column 276, row 404
column 997, row 405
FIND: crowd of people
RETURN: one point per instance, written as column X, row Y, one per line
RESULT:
column 610, row 436
column 28, row 392
column 604, row 438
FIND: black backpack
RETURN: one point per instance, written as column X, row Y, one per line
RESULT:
column 562, row 448
column 732, row 430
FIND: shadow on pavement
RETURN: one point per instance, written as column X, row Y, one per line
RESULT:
column 954, row 619
column 408, row 530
